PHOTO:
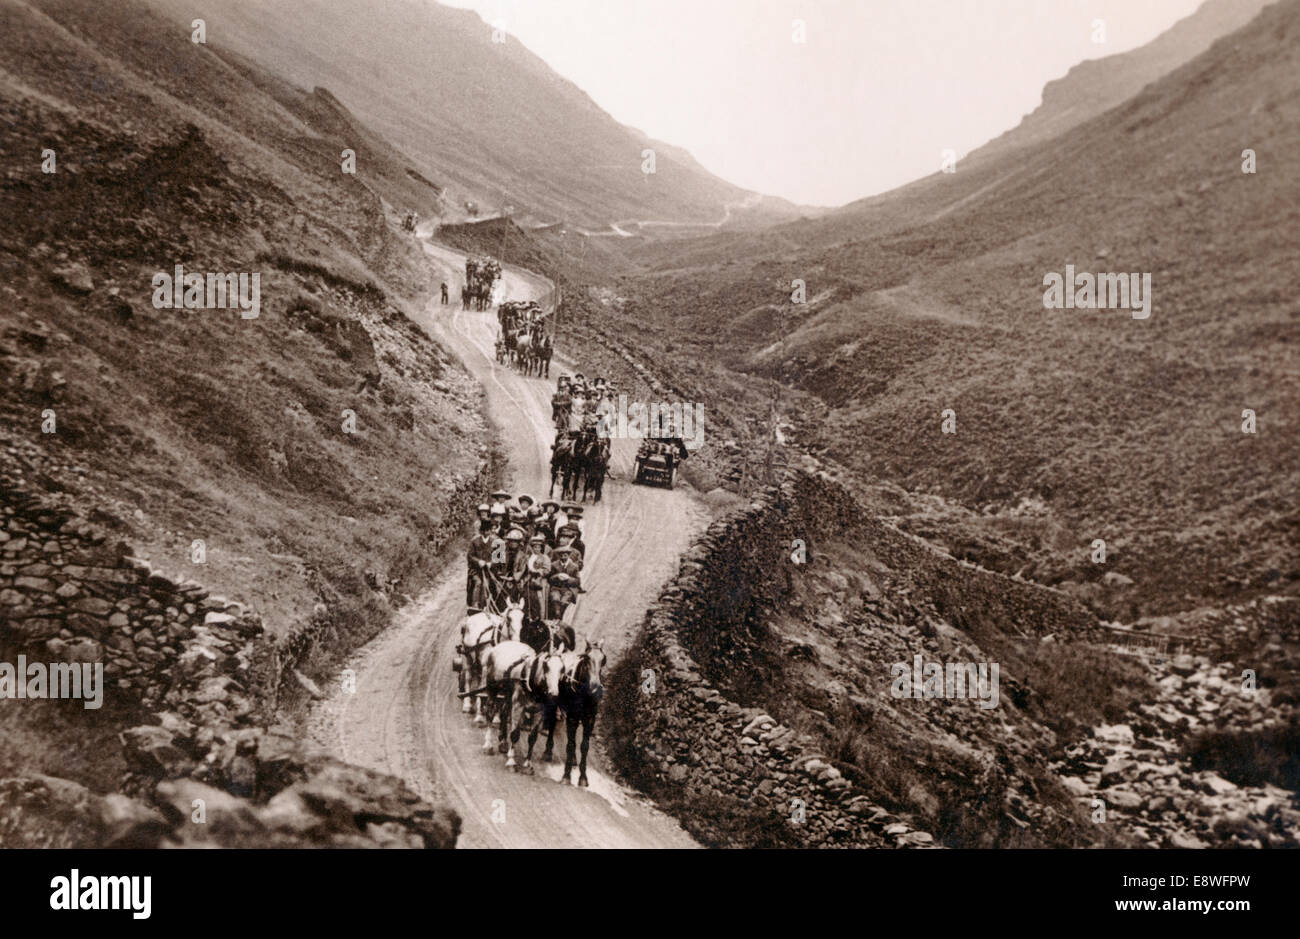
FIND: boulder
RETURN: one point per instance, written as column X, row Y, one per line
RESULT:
column 1114, row 734
column 154, row 752
column 74, row 277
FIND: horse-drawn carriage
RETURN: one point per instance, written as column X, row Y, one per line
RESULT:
column 523, row 672
column 524, row 340
column 481, row 275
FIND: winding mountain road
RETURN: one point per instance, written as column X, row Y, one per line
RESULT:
column 404, row 717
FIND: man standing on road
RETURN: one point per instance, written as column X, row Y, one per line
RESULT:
column 444, row 293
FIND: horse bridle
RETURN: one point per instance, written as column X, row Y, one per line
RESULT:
column 533, row 666
column 585, row 661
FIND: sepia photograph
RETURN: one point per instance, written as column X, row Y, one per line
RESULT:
column 763, row 425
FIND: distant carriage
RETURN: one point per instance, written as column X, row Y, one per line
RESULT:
column 524, row 340
column 481, row 276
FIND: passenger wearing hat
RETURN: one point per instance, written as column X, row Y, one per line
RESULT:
column 570, row 536
column 562, row 518
column 536, row 578
column 508, row 568
column 484, row 512
column 547, row 521
column 565, row 579
column 483, row 548
column 573, row 515
column 524, row 514
column 500, row 512
column 577, row 411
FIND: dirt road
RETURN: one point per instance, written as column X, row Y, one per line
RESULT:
column 404, row 717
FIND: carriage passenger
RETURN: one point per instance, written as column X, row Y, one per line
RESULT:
column 507, row 568
column 547, row 521
column 561, row 405
column 524, row 514
column 565, row 580
column 500, row 512
column 570, row 536
column 483, row 547
column 577, row 412
column 537, row 572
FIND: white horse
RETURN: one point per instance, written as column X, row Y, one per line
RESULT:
column 481, row 632
column 519, row 684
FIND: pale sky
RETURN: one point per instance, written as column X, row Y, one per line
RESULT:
column 868, row 103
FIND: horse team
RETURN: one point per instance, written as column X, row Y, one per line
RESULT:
column 522, row 688
column 525, row 686
column 481, row 275
column 523, row 340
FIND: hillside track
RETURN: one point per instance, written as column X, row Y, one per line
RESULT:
column 404, row 718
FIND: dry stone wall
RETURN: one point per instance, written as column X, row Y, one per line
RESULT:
column 195, row 679
column 710, row 759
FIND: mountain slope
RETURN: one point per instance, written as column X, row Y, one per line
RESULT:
column 1103, row 425
column 180, row 424
column 1097, row 85
column 488, row 120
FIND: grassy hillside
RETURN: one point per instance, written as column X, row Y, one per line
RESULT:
column 1072, row 425
column 488, row 121
column 176, row 424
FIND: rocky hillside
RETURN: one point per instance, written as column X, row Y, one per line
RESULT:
column 308, row 454
column 1071, row 425
column 1097, row 85
column 761, row 705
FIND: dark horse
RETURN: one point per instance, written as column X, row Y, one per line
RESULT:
column 595, row 466
column 546, row 636
column 544, row 352
column 580, row 692
column 564, row 467
column 590, row 462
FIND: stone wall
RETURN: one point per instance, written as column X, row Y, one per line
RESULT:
column 195, row 681
column 679, row 736
column 70, row 593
